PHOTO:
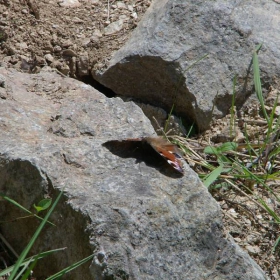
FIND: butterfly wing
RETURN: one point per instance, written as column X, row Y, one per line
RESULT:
column 168, row 151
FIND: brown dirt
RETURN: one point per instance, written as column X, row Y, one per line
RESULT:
column 37, row 33
column 72, row 40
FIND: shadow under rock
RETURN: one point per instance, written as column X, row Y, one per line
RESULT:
column 142, row 152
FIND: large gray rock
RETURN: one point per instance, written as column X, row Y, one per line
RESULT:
column 140, row 220
column 153, row 65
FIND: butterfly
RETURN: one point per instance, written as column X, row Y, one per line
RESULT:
column 167, row 150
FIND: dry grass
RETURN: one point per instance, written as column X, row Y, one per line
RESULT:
column 238, row 159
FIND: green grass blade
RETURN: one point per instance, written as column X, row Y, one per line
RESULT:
column 168, row 118
column 232, row 110
column 15, row 203
column 21, row 271
column 33, row 239
column 260, row 181
column 210, row 150
column 257, row 82
column 69, row 268
column 39, row 256
column 211, row 177
column 250, row 147
column 269, row 210
column 190, row 130
column 276, row 244
column 28, row 271
column 21, row 207
column 228, row 146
